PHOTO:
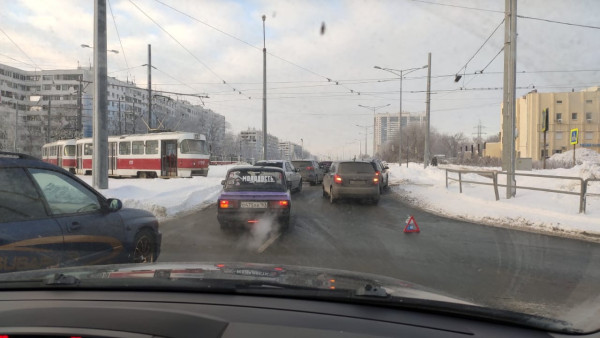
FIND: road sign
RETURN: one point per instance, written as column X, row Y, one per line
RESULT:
column 574, row 136
column 545, row 120
column 414, row 227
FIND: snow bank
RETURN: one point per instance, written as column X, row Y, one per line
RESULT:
column 529, row 210
column 167, row 198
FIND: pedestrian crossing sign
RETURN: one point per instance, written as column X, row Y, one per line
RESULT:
column 574, row 137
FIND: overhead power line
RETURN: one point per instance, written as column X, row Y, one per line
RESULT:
column 22, row 51
column 118, row 35
column 480, row 47
column 558, row 22
column 457, row 6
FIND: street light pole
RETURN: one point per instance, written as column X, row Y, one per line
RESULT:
column 374, row 122
column 427, row 114
column 394, row 71
column 265, row 135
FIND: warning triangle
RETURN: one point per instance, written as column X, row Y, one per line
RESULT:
column 414, row 227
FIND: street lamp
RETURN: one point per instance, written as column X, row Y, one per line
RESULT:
column 366, row 133
column 302, row 149
column 402, row 73
column 83, row 45
column 374, row 120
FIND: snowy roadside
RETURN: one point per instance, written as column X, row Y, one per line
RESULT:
column 535, row 211
column 167, row 198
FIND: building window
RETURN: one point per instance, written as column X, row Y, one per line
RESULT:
column 588, row 101
column 588, row 116
column 558, row 101
column 558, row 135
column 589, row 135
column 559, row 117
column 573, row 116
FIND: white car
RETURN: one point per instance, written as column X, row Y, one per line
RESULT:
column 292, row 174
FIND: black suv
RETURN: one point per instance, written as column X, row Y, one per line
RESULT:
column 49, row 218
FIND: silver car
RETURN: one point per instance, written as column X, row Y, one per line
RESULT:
column 292, row 174
column 351, row 179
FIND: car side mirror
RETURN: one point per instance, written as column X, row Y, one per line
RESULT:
column 114, row 204
column 223, row 182
column 386, row 167
column 297, row 170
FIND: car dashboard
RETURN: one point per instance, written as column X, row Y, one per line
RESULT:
column 80, row 313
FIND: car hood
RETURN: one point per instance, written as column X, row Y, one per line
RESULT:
column 129, row 213
column 274, row 280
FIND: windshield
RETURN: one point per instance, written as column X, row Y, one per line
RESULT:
column 254, row 180
column 454, row 144
column 193, row 147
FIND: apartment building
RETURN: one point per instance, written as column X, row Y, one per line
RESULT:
column 386, row 126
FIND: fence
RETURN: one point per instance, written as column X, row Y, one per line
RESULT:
column 494, row 176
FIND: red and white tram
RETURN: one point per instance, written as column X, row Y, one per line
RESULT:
column 61, row 153
column 179, row 154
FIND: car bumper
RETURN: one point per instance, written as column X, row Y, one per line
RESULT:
column 249, row 217
column 356, row 192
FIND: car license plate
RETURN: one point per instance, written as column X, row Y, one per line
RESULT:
column 253, row 205
column 356, row 182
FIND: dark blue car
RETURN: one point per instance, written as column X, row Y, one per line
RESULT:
column 50, row 218
column 252, row 194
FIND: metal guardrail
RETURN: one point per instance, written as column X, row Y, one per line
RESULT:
column 494, row 176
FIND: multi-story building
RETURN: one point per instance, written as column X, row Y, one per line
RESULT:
column 252, row 146
column 45, row 105
column 290, row 151
column 386, row 126
column 567, row 111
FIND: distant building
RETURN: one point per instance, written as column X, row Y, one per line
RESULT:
column 252, row 146
column 386, row 126
column 567, row 110
column 290, row 151
column 58, row 104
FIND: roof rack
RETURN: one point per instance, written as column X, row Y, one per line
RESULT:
column 17, row 155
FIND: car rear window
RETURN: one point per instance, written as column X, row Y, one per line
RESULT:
column 255, row 180
column 302, row 164
column 356, row 168
column 269, row 164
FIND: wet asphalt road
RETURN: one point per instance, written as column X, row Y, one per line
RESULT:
column 486, row 265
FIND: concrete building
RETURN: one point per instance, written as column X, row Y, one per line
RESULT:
column 252, row 146
column 567, row 110
column 290, row 151
column 46, row 105
column 386, row 126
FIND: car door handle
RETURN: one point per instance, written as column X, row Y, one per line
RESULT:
column 74, row 226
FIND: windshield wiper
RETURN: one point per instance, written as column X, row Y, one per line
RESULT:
column 62, row 279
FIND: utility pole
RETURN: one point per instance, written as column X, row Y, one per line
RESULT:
column 427, row 113
column 100, row 132
column 265, row 138
column 508, row 103
column 149, row 87
column 48, row 127
column 80, row 108
column 16, row 122
column 120, row 131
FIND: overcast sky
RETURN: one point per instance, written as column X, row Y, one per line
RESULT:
column 315, row 76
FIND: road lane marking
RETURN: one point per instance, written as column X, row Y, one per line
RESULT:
column 268, row 242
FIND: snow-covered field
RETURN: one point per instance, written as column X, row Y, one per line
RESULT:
column 529, row 210
column 423, row 188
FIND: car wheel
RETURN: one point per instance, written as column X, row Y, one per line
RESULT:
column 284, row 225
column 331, row 198
column 144, row 247
column 324, row 193
column 312, row 183
column 375, row 201
column 299, row 186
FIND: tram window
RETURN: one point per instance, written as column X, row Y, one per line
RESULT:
column 137, row 147
column 88, row 149
column 124, row 148
column 152, row 147
column 69, row 150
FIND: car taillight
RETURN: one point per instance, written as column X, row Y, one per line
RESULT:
column 377, row 173
column 375, row 180
column 309, row 168
column 282, row 204
column 337, row 179
column 226, row 204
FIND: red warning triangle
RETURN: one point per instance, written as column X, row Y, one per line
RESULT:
column 414, row 227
